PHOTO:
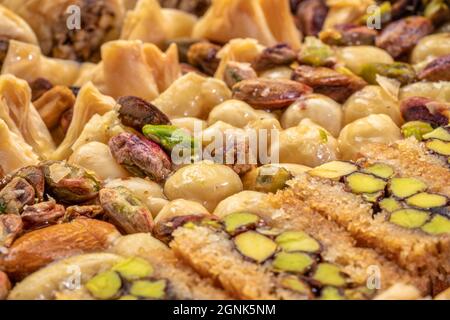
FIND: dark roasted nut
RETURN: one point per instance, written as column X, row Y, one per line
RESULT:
column 437, row 70
column 336, row 85
column 69, row 183
column 437, row 11
column 141, row 156
column 202, row 55
column 65, row 120
column 349, row 35
column 11, row 227
column 135, row 112
column 5, row 285
column 125, row 211
column 402, row 72
column 186, row 68
column 424, row 109
column 98, row 21
column 38, row 87
column 53, row 103
column 310, row 16
column 15, row 195
column 91, row 212
column 183, row 45
column 38, row 248
column 402, row 8
column 42, row 215
column 197, row 7
column 236, row 71
column 400, row 37
column 278, row 55
column 269, row 94
column 34, row 175
column 4, row 46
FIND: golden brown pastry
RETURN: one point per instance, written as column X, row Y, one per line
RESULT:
column 268, row 21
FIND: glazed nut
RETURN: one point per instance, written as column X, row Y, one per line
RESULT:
column 437, row 11
column 4, row 46
column 202, row 55
column 135, row 112
column 236, row 71
column 11, row 226
column 69, row 183
column 310, row 16
column 365, row 183
column 125, row 211
column 424, row 109
column 33, row 175
column 271, row 57
column 269, row 94
column 38, row 248
column 339, row 86
column 400, row 36
column 16, row 195
column 437, row 70
column 140, row 156
column 38, row 87
column 5, row 285
column 88, row 211
column 349, row 35
column 42, row 214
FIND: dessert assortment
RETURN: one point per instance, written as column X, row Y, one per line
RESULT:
column 225, row 149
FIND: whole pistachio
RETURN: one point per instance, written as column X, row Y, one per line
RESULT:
column 437, row 70
column 33, row 175
column 402, row 72
column 237, row 71
column 141, row 156
column 269, row 94
column 271, row 57
column 15, row 196
column 42, row 214
column 68, row 183
column 125, row 211
column 135, row 112
column 202, row 55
